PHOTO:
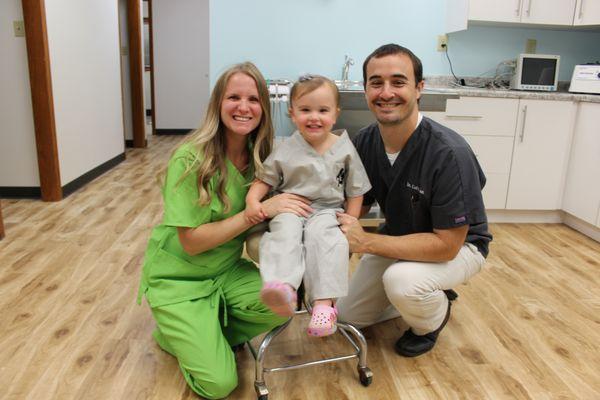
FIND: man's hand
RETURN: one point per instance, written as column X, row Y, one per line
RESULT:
column 354, row 232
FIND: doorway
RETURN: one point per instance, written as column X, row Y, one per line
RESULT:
column 132, row 72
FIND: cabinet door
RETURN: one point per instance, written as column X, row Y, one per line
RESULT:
column 494, row 154
column 587, row 12
column 488, row 125
column 551, row 12
column 540, row 155
column 493, row 10
column 582, row 186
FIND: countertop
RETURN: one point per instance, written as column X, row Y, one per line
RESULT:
column 442, row 85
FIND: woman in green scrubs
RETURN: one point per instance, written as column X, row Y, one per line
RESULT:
column 203, row 295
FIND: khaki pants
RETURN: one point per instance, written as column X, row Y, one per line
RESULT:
column 383, row 288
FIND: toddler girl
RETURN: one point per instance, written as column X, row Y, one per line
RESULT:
column 322, row 166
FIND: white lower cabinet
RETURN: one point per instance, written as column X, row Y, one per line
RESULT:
column 494, row 192
column 582, row 186
column 488, row 125
column 522, row 146
column 494, row 154
column 540, row 154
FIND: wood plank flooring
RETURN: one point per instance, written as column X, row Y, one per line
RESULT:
column 527, row 327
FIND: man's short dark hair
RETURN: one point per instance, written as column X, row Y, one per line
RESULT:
column 393, row 49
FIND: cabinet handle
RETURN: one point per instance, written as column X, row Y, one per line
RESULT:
column 522, row 135
column 529, row 7
column 464, row 116
column 581, row 9
column 518, row 10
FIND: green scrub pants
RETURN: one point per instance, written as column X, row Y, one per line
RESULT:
column 200, row 332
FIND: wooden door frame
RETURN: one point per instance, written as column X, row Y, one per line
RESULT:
column 40, row 80
column 42, row 100
column 1, row 223
column 136, row 72
column 151, row 43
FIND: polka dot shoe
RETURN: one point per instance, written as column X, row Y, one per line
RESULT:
column 323, row 321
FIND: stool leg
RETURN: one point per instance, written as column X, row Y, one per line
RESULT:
column 364, row 373
column 360, row 341
column 259, row 382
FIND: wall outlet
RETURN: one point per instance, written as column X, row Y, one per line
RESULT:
column 442, row 43
column 530, row 46
column 19, row 28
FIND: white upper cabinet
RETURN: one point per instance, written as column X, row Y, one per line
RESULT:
column 587, row 12
column 497, row 11
column 540, row 154
column 582, row 186
column 524, row 12
column 549, row 12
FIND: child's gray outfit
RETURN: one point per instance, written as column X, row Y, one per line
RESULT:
column 314, row 248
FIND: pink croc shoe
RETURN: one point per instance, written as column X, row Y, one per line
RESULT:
column 279, row 297
column 323, row 321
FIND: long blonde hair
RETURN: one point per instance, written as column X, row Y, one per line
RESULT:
column 209, row 139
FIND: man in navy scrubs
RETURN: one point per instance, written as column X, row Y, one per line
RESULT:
column 428, row 184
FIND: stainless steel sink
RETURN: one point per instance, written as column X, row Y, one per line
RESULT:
column 355, row 113
column 431, row 100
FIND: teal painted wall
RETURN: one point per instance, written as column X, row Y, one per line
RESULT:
column 286, row 38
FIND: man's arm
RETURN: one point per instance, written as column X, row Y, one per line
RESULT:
column 438, row 246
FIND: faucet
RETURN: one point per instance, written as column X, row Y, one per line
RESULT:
column 348, row 61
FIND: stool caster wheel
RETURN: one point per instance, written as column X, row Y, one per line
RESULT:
column 365, row 375
column 261, row 391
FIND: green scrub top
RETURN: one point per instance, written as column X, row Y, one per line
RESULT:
column 170, row 275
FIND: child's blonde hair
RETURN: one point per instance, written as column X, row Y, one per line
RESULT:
column 309, row 83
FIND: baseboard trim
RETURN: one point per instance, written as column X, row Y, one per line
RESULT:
column 524, row 216
column 172, row 131
column 129, row 143
column 581, row 226
column 20, row 192
column 89, row 176
column 34, row 192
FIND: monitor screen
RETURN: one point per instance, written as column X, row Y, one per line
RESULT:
column 538, row 71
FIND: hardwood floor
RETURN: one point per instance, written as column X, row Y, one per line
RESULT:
column 527, row 327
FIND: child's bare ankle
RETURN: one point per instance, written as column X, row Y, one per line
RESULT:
column 323, row 302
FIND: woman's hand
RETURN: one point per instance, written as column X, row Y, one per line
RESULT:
column 286, row 202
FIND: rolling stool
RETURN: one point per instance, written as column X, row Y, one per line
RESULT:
column 350, row 332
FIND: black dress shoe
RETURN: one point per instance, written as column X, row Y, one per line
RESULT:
column 451, row 294
column 412, row 345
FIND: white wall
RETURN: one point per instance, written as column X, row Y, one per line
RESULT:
column 181, row 62
column 18, row 158
column 83, row 40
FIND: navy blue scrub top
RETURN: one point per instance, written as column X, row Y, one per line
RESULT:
column 435, row 183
